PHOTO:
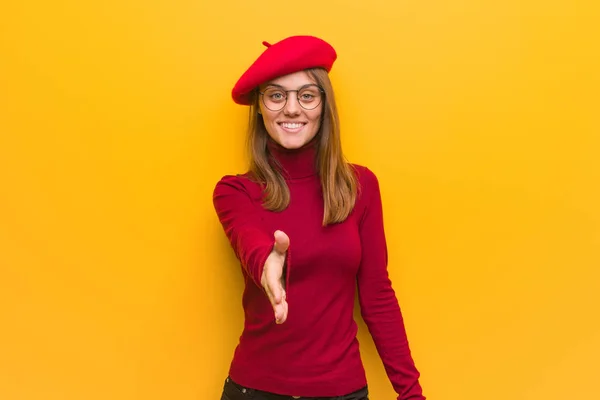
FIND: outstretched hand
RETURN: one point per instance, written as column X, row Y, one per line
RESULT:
column 272, row 276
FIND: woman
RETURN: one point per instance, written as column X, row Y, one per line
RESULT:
column 307, row 228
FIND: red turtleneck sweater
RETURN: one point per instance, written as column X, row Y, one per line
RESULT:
column 315, row 352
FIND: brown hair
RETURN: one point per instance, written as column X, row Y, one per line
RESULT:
column 338, row 178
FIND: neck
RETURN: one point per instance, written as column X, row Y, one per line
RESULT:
column 295, row 163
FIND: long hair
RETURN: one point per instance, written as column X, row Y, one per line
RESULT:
column 338, row 177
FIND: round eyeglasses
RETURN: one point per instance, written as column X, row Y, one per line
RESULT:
column 309, row 97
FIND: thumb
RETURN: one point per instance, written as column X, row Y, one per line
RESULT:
column 282, row 242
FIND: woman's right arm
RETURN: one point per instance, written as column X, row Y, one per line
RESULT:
column 261, row 254
column 242, row 223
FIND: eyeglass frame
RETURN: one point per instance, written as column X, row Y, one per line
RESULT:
column 319, row 88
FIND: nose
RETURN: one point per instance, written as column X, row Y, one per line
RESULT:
column 292, row 106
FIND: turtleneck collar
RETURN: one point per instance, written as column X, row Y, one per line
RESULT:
column 296, row 163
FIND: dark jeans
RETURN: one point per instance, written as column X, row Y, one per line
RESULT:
column 233, row 391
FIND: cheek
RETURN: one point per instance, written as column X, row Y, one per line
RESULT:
column 269, row 122
column 316, row 120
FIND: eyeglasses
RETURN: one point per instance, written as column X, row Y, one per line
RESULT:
column 309, row 97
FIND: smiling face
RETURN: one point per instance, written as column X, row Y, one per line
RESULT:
column 293, row 126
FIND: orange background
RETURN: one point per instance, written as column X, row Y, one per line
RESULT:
column 480, row 119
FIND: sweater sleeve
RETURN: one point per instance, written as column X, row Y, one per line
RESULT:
column 379, row 305
column 242, row 224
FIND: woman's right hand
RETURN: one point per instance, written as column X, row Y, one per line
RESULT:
column 272, row 276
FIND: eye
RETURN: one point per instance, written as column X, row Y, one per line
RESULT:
column 308, row 95
column 275, row 95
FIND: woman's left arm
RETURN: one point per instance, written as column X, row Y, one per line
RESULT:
column 379, row 305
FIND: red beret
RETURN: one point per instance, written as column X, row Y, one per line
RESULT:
column 290, row 55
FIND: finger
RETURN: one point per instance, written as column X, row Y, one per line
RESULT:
column 282, row 242
column 276, row 290
column 278, row 311
column 285, row 312
column 270, row 296
column 281, row 313
column 284, row 309
column 280, row 308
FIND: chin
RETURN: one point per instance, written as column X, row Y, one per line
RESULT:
column 293, row 142
column 291, row 145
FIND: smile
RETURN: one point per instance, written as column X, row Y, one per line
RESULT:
column 292, row 127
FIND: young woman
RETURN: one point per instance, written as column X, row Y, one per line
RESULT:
column 308, row 230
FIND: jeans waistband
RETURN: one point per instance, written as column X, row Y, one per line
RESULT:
column 361, row 394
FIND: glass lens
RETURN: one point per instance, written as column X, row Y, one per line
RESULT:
column 274, row 98
column 309, row 97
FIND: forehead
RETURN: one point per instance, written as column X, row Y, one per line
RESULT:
column 291, row 81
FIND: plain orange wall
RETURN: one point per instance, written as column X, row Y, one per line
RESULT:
column 480, row 119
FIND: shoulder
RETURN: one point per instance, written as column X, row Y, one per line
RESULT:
column 368, row 187
column 239, row 183
column 368, row 196
column 367, row 179
column 230, row 181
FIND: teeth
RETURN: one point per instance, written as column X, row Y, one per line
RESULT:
column 291, row 126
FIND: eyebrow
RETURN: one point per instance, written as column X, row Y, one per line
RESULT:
column 301, row 87
column 274, row 84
